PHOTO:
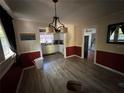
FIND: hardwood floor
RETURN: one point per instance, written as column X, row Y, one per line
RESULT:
column 57, row 71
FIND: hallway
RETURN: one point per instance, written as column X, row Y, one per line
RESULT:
column 57, row 71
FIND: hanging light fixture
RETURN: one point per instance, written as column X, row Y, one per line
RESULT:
column 56, row 25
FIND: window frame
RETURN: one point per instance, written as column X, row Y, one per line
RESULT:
column 116, row 34
column 45, row 34
column 11, row 53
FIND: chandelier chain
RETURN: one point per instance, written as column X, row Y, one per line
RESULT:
column 55, row 10
column 56, row 24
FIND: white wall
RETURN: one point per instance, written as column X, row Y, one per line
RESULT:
column 101, row 25
column 101, row 35
column 27, row 27
column 70, row 37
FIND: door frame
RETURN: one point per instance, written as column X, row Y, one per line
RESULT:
column 64, row 43
column 84, row 34
column 88, row 37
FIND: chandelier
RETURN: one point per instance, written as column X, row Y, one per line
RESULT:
column 56, row 25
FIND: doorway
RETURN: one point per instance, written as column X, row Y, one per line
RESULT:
column 52, row 43
column 86, row 42
column 89, row 44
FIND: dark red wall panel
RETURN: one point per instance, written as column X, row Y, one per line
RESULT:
column 70, row 50
column 73, row 50
column 27, row 59
column 78, row 51
column 9, row 81
column 111, row 60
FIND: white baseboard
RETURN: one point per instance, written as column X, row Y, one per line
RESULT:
column 70, row 56
column 113, row 70
column 20, row 80
column 29, row 67
column 78, row 56
column 74, row 56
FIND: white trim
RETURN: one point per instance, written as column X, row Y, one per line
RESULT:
column 41, row 56
column 92, row 29
column 78, row 56
column 70, row 56
column 29, row 67
column 64, row 41
column 19, row 83
column 29, row 51
column 114, row 52
column 113, row 70
column 9, row 58
column 82, row 50
column 94, row 56
column 20, row 80
column 32, row 52
column 74, row 56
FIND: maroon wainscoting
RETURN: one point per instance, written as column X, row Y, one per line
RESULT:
column 9, row 81
column 70, row 50
column 73, row 50
column 78, row 51
column 111, row 60
column 27, row 59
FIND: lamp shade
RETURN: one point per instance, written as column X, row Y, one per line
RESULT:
column 49, row 30
column 64, row 30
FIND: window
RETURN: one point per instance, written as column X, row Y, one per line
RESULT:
column 116, row 33
column 120, row 35
column 5, row 44
column 47, row 38
column 112, row 36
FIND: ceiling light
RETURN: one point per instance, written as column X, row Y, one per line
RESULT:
column 56, row 25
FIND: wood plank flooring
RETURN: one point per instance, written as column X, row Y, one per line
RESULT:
column 57, row 71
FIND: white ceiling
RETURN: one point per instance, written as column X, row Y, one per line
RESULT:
column 69, row 11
